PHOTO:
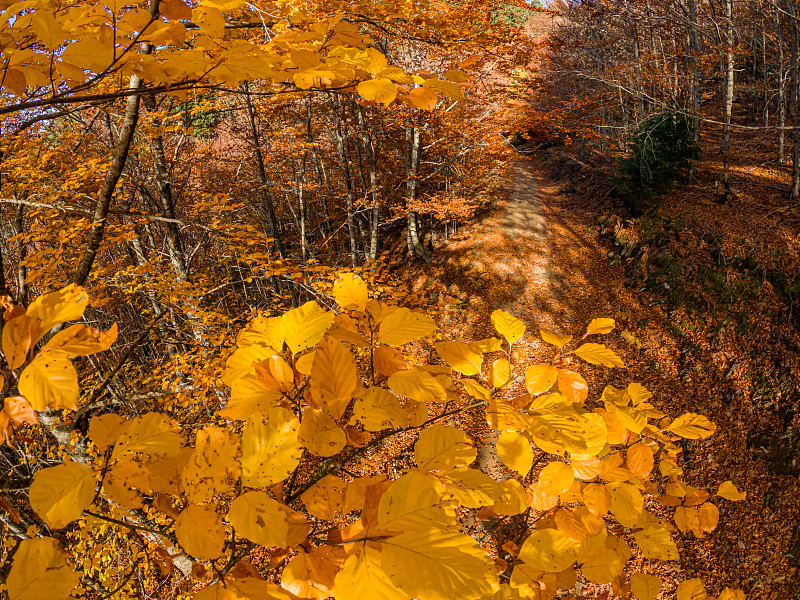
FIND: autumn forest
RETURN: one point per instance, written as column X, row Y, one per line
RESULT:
column 405, row 299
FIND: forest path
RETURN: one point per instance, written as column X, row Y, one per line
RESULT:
column 536, row 257
column 539, row 257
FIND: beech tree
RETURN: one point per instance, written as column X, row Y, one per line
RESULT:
column 196, row 397
column 699, row 58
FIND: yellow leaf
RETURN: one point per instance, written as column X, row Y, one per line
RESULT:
column 200, row 532
column 485, row 345
column 691, row 589
column 656, row 543
column 304, row 327
column 334, row 378
column 460, row 356
column 105, row 429
column 594, row 524
column 552, row 338
column 470, row 488
column 500, row 373
column 597, row 499
column 40, row 570
column 260, row 519
column 351, row 292
column 438, row 565
column 451, row 90
column 418, row 385
column 600, row 326
column 345, row 329
column 53, row 309
column 210, row 20
column 213, row 466
column 422, row 98
column 248, row 397
column 515, row 451
column 626, row 503
column 570, row 524
column 270, row 448
column 548, row 549
column 246, row 588
column 378, row 409
column 60, row 494
column 379, row 310
column 325, row 499
column 585, row 469
column 507, row 325
column 598, row 354
column 556, row 478
column 645, row 587
column 731, row 594
column 311, row 574
column 320, row 434
column 640, row 460
column 416, row 494
column 540, row 378
column 688, row 519
column 19, row 336
column 708, row 516
column 304, row 363
column 692, row 426
column 48, row 29
column 510, row 497
column 363, row 577
column 525, row 580
column 241, row 362
column 572, row 385
column 604, row 558
column 264, row 332
column 274, row 374
column 50, row 382
column 638, row 393
column 629, row 417
column 538, row 499
column 173, row 34
column 729, row 491
column 378, row 90
column 388, row 361
column 403, row 326
column 80, row 340
column 456, row 76
column 551, row 400
column 441, row 447
column 152, row 434
column 476, row 390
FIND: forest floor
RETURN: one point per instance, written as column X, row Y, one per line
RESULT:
column 539, row 256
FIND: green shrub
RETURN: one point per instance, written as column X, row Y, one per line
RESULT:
column 662, row 150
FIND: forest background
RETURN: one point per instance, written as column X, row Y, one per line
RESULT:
column 196, row 170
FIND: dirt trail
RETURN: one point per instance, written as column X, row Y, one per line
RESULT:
column 533, row 257
column 539, row 258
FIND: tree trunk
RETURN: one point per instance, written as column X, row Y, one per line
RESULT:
column 262, row 172
column 793, row 82
column 781, row 93
column 113, row 174
column 413, row 159
column 348, row 184
column 730, row 64
column 694, row 48
column 174, row 242
column 372, row 159
column 22, row 250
